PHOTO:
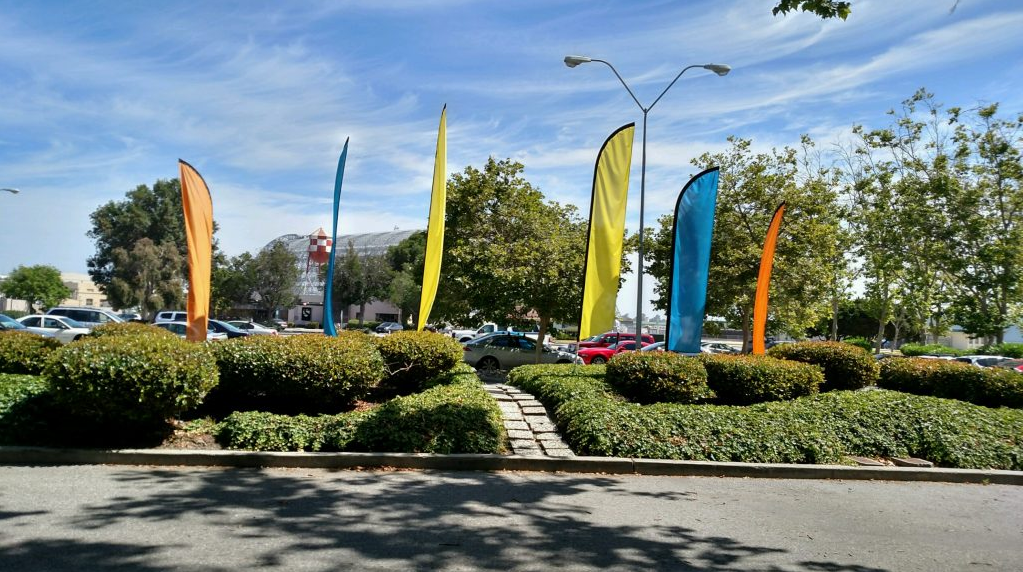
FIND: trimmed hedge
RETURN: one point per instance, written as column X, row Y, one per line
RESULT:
column 991, row 387
column 815, row 429
column 862, row 343
column 131, row 379
column 747, row 379
column 19, row 397
column 845, row 366
column 456, row 415
column 25, row 352
column 913, row 350
column 412, row 357
column 130, row 329
column 654, row 377
column 289, row 374
column 1009, row 350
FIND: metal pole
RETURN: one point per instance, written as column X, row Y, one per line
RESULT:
column 639, row 266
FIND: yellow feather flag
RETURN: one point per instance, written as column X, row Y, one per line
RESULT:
column 606, row 233
column 764, row 282
column 435, row 229
column 195, row 198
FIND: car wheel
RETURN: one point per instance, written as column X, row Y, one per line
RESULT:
column 597, row 360
column 76, row 338
column 488, row 366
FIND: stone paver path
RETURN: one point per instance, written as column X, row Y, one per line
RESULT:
column 530, row 430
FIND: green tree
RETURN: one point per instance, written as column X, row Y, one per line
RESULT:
column 751, row 186
column 232, row 283
column 275, row 274
column 156, row 277
column 39, row 285
column 507, row 251
column 823, row 8
column 406, row 288
column 360, row 279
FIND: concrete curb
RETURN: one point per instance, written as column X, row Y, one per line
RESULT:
column 607, row 465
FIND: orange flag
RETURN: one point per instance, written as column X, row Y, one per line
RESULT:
column 764, row 282
column 195, row 198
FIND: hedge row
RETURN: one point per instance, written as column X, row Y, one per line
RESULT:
column 845, row 366
column 991, row 386
column 658, row 376
column 596, row 420
column 24, row 352
column 455, row 415
column 747, row 379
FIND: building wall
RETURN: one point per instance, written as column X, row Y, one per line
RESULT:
column 84, row 292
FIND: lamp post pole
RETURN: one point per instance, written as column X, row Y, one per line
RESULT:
column 720, row 69
column 12, row 191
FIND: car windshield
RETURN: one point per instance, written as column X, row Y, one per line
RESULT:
column 11, row 323
column 74, row 323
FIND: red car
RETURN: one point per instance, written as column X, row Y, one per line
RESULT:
column 601, row 355
column 609, row 338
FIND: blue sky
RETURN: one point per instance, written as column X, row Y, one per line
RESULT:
column 98, row 97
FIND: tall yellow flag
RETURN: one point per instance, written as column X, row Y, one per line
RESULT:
column 435, row 229
column 764, row 282
column 606, row 233
column 195, row 198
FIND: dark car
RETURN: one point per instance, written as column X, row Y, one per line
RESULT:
column 388, row 327
column 225, row 328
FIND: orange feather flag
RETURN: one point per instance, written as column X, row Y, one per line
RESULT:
column 195, row 198
column 764, row 282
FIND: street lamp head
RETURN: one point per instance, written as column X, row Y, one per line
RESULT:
column 12, row 191
column 572, row 61
column 720, row 69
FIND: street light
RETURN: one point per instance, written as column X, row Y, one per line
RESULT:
column 12, row 191
column 720, row 69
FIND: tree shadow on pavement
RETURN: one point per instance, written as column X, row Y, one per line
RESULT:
column 370, row 520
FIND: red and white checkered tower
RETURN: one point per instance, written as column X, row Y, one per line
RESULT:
column 320, row 249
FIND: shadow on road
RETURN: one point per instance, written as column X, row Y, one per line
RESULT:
column 349, row 519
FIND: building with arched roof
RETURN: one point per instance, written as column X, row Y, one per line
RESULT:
column 309, row 289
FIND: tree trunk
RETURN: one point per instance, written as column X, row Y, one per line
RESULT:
column 834, row 319
column 745, row 317
column 882, row 322
column 544, row 320
column 362, row 313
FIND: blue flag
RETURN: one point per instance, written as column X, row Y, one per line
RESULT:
column 328, row 289
column 691, row 236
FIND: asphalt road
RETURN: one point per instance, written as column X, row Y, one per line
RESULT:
column 148, row 519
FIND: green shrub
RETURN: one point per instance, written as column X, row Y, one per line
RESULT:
column 746, row 379
column 653, row 377
column 991, row 387
column 414, row 357
column 129, row 329
column 456, row 415
column 302, row 373
column 845, row 366
column 814, row 429
column 862, row 343
column 913, row 350
column 125, row 379
column 1008, row 350
column 24, row 352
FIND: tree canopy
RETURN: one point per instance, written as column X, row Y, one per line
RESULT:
column 39, row 285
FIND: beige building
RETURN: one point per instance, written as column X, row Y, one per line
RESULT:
column 84, row 292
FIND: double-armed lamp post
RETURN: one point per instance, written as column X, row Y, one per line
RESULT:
column 720, row 69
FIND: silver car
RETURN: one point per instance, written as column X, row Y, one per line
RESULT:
column 499, row 351
column 64, row 329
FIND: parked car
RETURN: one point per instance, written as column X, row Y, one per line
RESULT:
column 504, row 350
column 253, row 328
column 227, row 329
column 170, row 316
column 181, row 328
column 654, row 347
column 64, row 329
column 8, row 323
column 130, row 316
column 597, row 356
column 717, row 348
column 982, row 361
column 388, row 328
column 90, row 317
column 608, row 338
column 1013, row 364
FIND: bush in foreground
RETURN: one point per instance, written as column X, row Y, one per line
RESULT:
column 412, row 357
column 25, row 352
column 129, row 329
column 991, row 387
column 303, row 373
column 747, row 379
column 455, row 415
column 845, row 366
column 815, row 429
column 131, row 379
column 653, row 377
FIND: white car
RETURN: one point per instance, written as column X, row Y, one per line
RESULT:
column 180, row 328
column 979, row 360
column 253, row 328
column 64, row 329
